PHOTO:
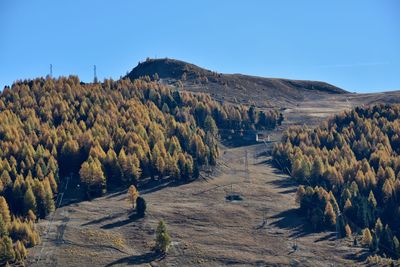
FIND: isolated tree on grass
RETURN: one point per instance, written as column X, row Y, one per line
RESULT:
column 141, row 206
column 133, row 194
column 163, row 240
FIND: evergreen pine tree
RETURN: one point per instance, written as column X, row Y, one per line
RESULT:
column 141, row 206
column 163, row 240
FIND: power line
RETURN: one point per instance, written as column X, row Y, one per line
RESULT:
column 240, row 130
column 57, row 203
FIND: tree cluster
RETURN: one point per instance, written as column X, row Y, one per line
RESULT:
column 350, row 171
column 108, row 133
column 136, row 201
column 13, row 228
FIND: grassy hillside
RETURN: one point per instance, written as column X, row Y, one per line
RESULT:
column 232, row 87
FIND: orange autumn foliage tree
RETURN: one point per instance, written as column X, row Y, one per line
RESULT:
column 355, row 156
column 110, row 133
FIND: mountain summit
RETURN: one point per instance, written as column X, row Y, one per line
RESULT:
column 233, row 87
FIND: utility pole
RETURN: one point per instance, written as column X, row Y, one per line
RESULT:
column 51, row 70
column 295, row 246
column 246, row 166
column 338, row 219
column 207, row 169
column 264, row 218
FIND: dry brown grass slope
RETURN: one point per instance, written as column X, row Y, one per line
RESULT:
column 234, row 87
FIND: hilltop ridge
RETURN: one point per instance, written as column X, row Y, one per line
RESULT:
column 233, row 87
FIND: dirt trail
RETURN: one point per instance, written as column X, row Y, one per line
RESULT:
column 206, row 229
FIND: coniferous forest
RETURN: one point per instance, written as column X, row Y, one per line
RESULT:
column 349, row 168
column 114, row 133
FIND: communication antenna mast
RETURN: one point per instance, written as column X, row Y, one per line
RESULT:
column 94, row 74
column 51, row 70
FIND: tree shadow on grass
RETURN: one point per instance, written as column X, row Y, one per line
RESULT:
column 75, row 193
column 156, row 185
column 133, row 217
column 286, row 183
column 329, row 236
column 263, row 162
column 358, row 257
column 105, row 218
column 292, row 220
column 137, row 259
column 115, row 192
column 262, row 154
column 289, row 191
column 237, row 141
column 151, row 186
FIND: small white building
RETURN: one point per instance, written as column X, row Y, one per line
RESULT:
column 263, row 136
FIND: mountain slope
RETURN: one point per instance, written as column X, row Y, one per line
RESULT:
column 234, row 87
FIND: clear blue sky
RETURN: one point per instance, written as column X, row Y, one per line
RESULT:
column 352, row 44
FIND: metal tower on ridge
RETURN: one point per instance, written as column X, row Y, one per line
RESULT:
column 94, row 74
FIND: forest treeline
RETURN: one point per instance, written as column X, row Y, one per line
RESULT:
column 110, row 133
column 349, row 168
